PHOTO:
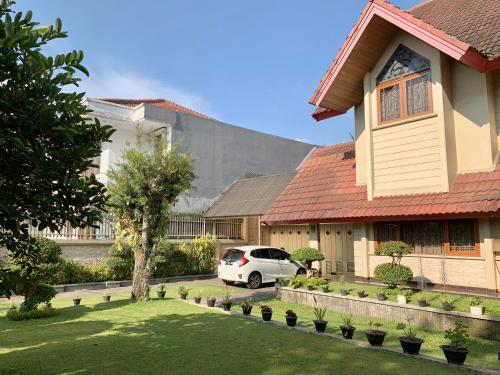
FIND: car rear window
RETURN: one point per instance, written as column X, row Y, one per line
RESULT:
column 233, row 255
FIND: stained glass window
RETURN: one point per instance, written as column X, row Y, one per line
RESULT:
column 402, row 62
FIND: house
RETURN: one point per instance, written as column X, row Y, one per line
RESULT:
column 248, row 199
column 222, row 154
column 424, row 84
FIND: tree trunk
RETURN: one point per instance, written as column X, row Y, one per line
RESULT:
column 142, row 262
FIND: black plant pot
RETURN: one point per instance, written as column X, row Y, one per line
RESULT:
column 267, row 315
column 344, row 292
column 160, row 294
column 106, row 298
column 183, row 295
column 381, row 297
column 211, row 302
column 326, row 289
column 227, row 306
column 410, row 346
column 347, row 332
column 362, row 294
column 76, row 301
column 375, row 338
column 247, row 310
column 320, row 325
column 447, row 306
column 291, row 321
column 454, row 355
column 423, row 303
column 310, row 287
column 197, row 299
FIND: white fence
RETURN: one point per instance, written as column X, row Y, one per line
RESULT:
column 180, row 226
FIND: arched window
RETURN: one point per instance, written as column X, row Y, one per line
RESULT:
column 404, row 86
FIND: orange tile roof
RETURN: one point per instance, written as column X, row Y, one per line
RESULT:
column 324, row 190
column 474, row 22
column 158, row 103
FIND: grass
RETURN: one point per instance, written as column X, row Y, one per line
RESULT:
column 460, row 302
column 483, row 353
column 160, row 336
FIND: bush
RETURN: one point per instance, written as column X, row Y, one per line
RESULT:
column 42, row 293
column 120, row 261
column 38, row 313
column 301, row 281
column 307, row 255
column 393, row 275
column 394, row 249
column 200, row 254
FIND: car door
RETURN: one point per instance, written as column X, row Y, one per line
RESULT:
column 264, row 264
column 286, row 268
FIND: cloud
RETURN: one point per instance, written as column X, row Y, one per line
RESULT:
column 305, row 140
column 123, row 83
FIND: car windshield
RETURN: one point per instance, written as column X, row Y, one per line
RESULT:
column 232, row 255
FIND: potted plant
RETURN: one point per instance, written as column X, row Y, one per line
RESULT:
column 197, row 297
column 410, row 343
column 326, row 288
column 381, row 295
column 183, row 291
column 161, row 292
column 226, row 301
column 404, row 295
column 347, row 328
column 476, row 306
column 76, row 301
column 267, row 312
column 422, row 301
column 310, row 285
column 320, row 323
column 211, row 301
column 447, row 303
column 343, row 290
column 106, row 297
column 374, row 335
column 291, row 318
column 456, row 351
column 361, row 293
column 246, row 307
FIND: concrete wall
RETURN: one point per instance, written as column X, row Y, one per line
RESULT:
column 223, row 153
column 495, row 77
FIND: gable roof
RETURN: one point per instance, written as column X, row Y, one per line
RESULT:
column 250, row 196
column 433, row 22
column 324, row 190
column 163, row 103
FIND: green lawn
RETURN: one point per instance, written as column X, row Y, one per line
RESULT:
column 461, row 302
column 172, row 337
column 483, row 353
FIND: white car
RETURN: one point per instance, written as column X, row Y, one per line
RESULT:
column 255, row 265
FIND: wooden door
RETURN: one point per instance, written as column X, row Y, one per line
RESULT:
column 337, row 243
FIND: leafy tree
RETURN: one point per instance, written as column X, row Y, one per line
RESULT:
column 47, row 140
column 142, row 188
column 308, row 255
column 394, row 249
column 393, row 274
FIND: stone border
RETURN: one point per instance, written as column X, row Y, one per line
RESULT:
column 361, row 343
column 428, row 317
column 123, row 283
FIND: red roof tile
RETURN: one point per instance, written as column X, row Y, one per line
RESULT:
column 158, row 103
column 474, row 22
column 324, row 189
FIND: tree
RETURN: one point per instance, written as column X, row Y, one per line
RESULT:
column 47, row 139
column 393, row 274
column 308, row 255
column 142, row 188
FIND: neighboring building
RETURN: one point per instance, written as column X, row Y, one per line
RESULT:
column 222, row 153
column 424, row 167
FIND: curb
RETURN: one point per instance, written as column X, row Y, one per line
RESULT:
column 361, row 343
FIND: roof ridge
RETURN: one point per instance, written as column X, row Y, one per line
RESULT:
column 416, row 6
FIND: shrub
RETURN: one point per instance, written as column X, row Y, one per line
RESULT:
column 97, row 271
column 120, row 261
column 301, row 281
column 394, row 249
column 41, row 293
column 38, row 313
column 393, row 275
column 200, row 254
column 307, row 255
column 458, row 336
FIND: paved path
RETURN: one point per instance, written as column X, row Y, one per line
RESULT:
column 241, row 293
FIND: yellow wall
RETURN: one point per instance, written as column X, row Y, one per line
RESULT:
column 289, row 237
column 425, row 153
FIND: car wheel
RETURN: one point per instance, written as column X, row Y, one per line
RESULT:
column 301, row 271
column 227, row 282
column 254, row 280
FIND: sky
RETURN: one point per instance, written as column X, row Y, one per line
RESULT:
column 252, row 64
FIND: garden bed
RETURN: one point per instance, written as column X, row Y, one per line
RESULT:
column 427, row 317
